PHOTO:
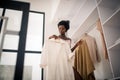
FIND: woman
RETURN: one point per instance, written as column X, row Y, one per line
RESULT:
column 55, row 55
column 63, row 27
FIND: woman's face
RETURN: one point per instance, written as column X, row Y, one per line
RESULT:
column 62, row 29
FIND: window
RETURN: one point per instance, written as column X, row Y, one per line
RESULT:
column 34, row 41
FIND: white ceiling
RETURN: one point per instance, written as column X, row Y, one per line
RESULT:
column 68, row 10
column 56, row 10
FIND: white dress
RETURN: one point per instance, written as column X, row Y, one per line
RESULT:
column 55, row 60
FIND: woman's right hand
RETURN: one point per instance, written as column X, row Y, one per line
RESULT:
column 53, row 36
column 77, row 44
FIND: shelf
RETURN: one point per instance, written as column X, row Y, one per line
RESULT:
column 109, row 13
column 118, row 10
column 114, row 56
column 107, row 8
column 114, row 53
column 111, row 29
column 114, row 20
column 115, row 46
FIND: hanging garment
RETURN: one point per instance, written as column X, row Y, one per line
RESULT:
column 92, row 46
column 83, row 63
column 99, row 28
column 55, row 60
column 77, row 75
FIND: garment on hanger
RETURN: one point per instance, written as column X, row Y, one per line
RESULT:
column 99, row 28
column 55, row 60
column 92, row 46
column 83, row 63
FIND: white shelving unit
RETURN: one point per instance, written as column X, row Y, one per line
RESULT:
column 107, row 8
column 84, row 12
column 109, row 12
column 112, row 29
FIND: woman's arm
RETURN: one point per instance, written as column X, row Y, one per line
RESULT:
column 75, row 46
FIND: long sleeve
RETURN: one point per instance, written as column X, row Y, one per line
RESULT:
column 99, row 28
